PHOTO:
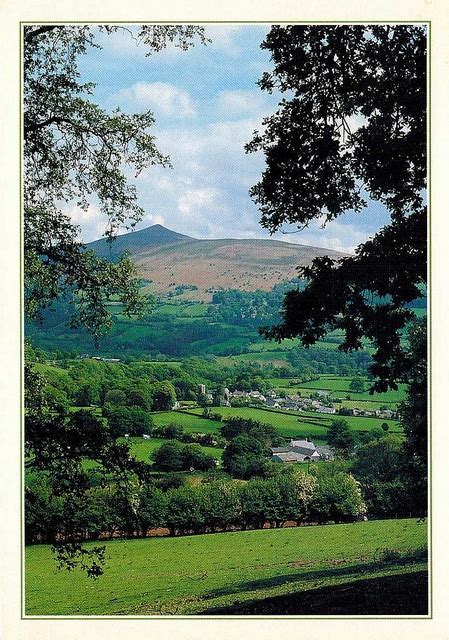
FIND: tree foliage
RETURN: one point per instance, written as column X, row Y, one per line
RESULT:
column 133, row 421
column 75, row 155
column 163, row 396
column 174, row 456
column 413, row 413
column 337, row 498
column 57, row 444
column 245, row 456
column 355, row 125
column 379, row 459
column 341, row 438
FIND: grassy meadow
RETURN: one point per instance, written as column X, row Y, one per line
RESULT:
column 195, row 574
column 338, row 387
column 290, row 424
column 142, row 449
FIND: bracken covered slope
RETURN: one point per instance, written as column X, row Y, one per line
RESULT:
column 170, row 259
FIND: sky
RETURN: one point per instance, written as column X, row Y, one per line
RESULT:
column 206, row 104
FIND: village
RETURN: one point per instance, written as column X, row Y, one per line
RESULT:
column 322, row 403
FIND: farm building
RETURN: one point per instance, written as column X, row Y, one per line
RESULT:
column 301, row 451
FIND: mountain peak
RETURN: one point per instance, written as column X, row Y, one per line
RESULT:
column 134, row 241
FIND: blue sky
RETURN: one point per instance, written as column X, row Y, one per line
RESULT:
column 206, row 104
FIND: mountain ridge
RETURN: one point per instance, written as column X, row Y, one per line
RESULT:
column 169, row 259
column 154, row 235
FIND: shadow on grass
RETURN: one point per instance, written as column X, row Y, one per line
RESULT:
column 399, row 594
column 305, row 575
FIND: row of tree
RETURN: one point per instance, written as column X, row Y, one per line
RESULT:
column 215, row 506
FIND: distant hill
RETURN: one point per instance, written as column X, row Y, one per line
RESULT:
column 136, row 241
column 169, row 259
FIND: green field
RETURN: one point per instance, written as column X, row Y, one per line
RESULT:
column 278, row 358
column 190, row 424
column 331, row 341
column 142, row 449
column 195, row 310
column 339, row 387
column 299, row 424
column 193, row 574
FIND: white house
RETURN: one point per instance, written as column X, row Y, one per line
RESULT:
column 300, row 451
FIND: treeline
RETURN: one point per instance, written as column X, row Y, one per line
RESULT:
column 153, row 386
column 218, row 505
column 251, row 308
column 148, row 385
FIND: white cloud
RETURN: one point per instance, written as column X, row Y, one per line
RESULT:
column 223, row 38
column 92, row 222
column 337, row 234
column 164, row 98
column 149, row 220
column 241, row 101
column 192, row 200
column 206, row 193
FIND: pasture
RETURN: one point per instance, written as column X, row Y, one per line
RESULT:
column 192, row 574
column 338, row 386
column 190, row 423
column 142, row 449
column 292, row 424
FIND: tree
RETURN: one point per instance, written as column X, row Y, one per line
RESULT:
column 193, row 457
column 74, row 155
column 221, row 504
column 87, row 394
column 355, row 124
column 115, row 397
column 245, row 457
column 388, row 499
column 171, row 430
column 163, row 396
column 174, row 456
column 337, row 498
column 169, row 456
column 341, row 438
column 264, row 433
column 379, row 459
column 56, row 445
column 133, row 421
column 184, row 511
column 153, row 508
column 259, row 499
column 357, row 385
column 137, row 398
column 413, row 413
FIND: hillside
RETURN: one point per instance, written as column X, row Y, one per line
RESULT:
column 136, row 241
column 225, row 572
column 169, row 259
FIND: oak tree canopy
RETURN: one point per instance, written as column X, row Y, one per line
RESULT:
column 75, row 154
column 352, row 126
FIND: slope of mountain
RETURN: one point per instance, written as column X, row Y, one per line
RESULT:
column 136, row 241
column 169, row 259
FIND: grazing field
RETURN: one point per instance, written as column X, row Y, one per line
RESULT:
column 276, row 358
column 190, row 423
column 197, row 574
column 338, row 386
column 331, row 341
column 142, row 449
column 299, row 424
column 194, row 310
